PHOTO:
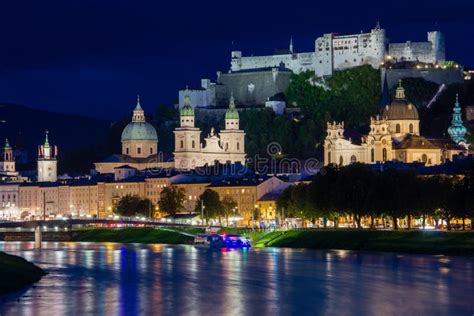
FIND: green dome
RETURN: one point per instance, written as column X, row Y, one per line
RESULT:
column 187, row 109
column 138, row 128
column 139, row 131
column 232, row 113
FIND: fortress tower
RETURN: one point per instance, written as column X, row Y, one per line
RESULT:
column 47, row 162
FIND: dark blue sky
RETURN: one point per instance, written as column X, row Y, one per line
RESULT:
column 93, row 57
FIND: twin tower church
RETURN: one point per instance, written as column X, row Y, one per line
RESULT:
column 140, row 143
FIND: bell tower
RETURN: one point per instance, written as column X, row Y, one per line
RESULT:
column 232, row 138
column 457, row 131
column 187, row 148
column 7, row 162
column 47, row 162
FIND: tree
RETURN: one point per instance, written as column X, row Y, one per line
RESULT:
column 350, row 95
column 322, row 196
column 133, row 205
column 391, row 194
column 354, row 185
column 228, row 205
column 295, row 201
column 171, row 200
column 212, row 204
column 469, row 193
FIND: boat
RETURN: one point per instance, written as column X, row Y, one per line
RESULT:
column 221, row 241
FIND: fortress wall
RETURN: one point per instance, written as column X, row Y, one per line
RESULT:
column 438, row 75
column 253, row 88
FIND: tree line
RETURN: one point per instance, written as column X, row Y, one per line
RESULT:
column 171, row 202
column 359, row 192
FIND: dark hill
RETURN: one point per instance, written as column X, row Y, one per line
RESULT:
column 25, row 128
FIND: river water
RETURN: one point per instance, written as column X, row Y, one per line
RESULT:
column 132, row 279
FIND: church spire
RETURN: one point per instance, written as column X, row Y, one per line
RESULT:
column 46, row 140
column 7, row 144
column 138, row 107
column 138, row 113
column 457, row 131
column 187, row 109
column 400, row 93
column 232, row 113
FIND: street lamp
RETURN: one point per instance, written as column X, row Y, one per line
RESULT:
column 202, row 211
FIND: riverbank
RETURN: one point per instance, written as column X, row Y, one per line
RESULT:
column 135, row 235
column 419, row 242
column 415, row 242
column 16, row 273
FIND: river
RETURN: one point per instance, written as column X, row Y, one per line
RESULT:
column 132, row 279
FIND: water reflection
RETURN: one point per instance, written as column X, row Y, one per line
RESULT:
column 110, row 278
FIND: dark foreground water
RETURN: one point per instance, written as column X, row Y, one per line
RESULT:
column 111, row 279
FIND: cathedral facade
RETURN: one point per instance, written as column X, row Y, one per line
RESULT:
column 228, row 146
column 394, row 135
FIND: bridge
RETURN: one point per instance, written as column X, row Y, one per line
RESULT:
column 39, row 225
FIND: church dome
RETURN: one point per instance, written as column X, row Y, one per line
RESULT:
column 139, row 131
column 400, row 108
column 138, row 128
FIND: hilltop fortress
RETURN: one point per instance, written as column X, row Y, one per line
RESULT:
column 259, row 80
column 337, row 52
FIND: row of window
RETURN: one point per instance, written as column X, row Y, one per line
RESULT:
column 139, row 151
column 13, row 196
column 354, row 158
column 398, row 128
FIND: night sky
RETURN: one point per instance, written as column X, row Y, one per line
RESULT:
column 93, row 57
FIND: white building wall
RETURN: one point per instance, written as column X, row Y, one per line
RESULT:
column 202, row 98
column 47, row 170
column 299, row 62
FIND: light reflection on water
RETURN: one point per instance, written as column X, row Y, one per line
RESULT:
column 110, row 278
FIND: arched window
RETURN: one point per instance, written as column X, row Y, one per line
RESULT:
column 139, row 150
column 127, row 151
column 397, row 128
column 372, row 155
column 424, row 158
column 151, row 150
column 341, row 161
column 182, row 144
column 353, row 159
column 411, row 128
column 238, row 146
column 384, row 154
column 193, row 144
